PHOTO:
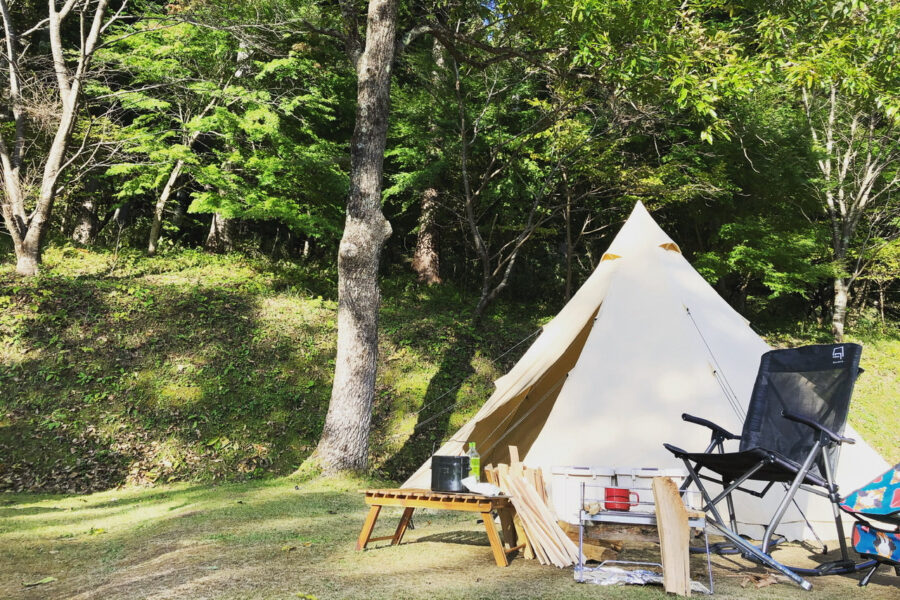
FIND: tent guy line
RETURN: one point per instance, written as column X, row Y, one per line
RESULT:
column 719, row 374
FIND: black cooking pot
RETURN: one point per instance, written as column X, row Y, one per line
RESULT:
column 447, row 473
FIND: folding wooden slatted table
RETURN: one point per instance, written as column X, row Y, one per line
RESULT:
column 412, row 499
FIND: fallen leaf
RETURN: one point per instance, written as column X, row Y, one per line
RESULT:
column 41, row 582
column 288, row 548
column 758, row 581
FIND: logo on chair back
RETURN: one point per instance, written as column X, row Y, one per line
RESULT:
column 837, row 355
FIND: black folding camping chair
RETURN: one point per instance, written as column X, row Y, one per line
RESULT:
column 791, row 436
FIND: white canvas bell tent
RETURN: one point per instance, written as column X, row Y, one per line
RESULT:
column 644, row 340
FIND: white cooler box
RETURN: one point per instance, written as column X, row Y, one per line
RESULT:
column 565, row 486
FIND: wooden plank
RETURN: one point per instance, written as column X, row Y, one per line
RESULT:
column 549, row 519
column 543, row 486
column 560, row 544
column 490, row 475
column 525, row 528
column 368, row 526
column 674, row 536
column 502, row 472
column 540, row 532
column 513, row 456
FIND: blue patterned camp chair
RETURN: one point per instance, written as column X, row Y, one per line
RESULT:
column 878, row 500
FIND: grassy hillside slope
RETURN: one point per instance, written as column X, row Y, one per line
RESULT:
column 197, row 367
column 203, row 367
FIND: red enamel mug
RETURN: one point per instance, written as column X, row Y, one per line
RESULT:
column 619, row 499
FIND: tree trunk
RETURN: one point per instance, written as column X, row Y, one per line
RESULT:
column 161, row 206
column 86, row 221
column 345, row 436
column 27, row 230
column 28, row 259
column 220, row 237
column 426, row 259
column 839, row 315
column 570, row 250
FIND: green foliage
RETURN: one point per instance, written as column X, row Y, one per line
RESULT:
column 784, row 260
column 256, row 138
column 674, row 54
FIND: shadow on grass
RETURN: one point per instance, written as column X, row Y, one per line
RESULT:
column 433, row 419
column 468, row 538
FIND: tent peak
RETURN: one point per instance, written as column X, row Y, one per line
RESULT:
column 639, row 232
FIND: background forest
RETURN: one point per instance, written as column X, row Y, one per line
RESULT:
column 175, row 182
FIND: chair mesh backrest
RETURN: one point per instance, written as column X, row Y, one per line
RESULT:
column 813, row 381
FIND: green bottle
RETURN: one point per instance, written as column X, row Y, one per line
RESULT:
column 474, row 462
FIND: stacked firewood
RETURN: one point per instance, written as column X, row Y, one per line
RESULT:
column 535, row 522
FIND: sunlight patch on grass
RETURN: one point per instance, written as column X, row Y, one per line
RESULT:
column 875, row 410
column 179, row 394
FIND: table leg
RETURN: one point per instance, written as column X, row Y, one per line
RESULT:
column 368, row 526
column 496, row 544
column 509, row 530
column 401, row 527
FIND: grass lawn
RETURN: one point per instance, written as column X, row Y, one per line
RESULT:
column 207, row 376
column 282, row 539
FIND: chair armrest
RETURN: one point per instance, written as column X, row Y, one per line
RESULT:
column 718, row 432
column 838, row 439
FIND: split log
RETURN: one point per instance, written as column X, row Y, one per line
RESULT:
column 598, row 550
column 674, row 536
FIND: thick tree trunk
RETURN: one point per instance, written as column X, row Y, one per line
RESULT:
column 426, row 261
column 28, row 259
column 220, row 237
column 161, row 206
column 839, row 316
column 345, row 437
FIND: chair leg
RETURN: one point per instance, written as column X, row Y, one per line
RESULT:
column 759, row 555
column 789, row 495
column 835, row 500
column 865, row 580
